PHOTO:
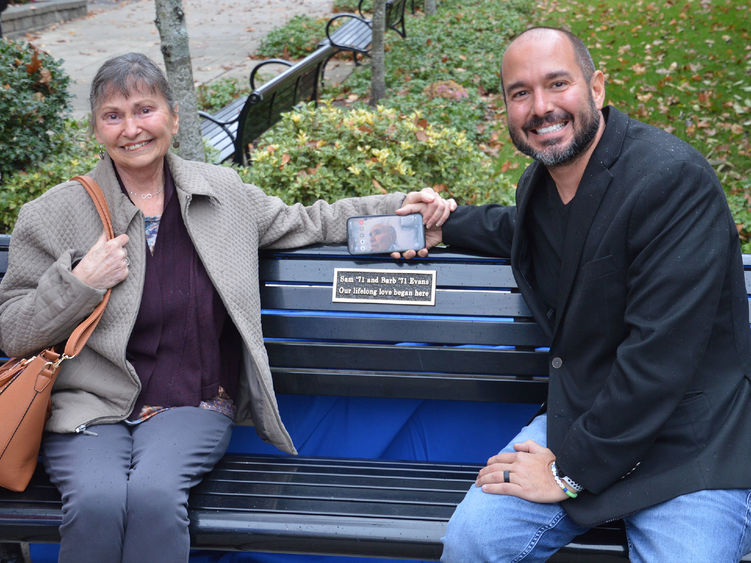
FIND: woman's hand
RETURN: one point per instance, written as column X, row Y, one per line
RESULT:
column 105, row 264
column 435, row 211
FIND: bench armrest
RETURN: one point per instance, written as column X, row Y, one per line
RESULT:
column 221, row 124
column 359, row 9
column 262, row 64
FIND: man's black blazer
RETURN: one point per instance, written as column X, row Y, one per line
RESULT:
column 650, row 392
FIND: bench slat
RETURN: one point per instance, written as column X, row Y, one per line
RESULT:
column 474, row 272
column 407, row 359
column 354, row 35
column 447, row 302
column 470, row 387
column 430, row 329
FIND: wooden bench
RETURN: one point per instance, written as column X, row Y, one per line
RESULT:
column 476, row 343
column 231, row 130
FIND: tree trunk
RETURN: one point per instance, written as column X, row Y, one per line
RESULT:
column 377, row 54
column 170, row 21
column 430, row 7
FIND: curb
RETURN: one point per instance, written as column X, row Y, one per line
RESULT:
column 18, row 20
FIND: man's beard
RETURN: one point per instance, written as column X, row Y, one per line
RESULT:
column 590, row 123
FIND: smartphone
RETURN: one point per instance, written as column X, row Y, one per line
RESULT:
column 376, row 234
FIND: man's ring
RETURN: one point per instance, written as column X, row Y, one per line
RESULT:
column 506, row 476
column 127, row 261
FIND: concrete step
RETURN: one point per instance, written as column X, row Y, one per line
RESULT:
column 18, row 20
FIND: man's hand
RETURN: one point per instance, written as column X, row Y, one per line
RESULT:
column 105, row 264
column 530, row 476
column 435, row 211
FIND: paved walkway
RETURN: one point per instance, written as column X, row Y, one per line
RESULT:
column 224, row 36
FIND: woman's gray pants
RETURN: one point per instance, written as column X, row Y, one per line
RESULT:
column 125, row 490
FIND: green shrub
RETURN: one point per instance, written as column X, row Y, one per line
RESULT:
column 295, row 40
column 78, row 153
column 214, row 96
column 34, row 102
column 328, row 152
column 740, row 205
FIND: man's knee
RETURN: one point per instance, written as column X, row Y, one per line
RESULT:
column 476, row 530
column 489, row 527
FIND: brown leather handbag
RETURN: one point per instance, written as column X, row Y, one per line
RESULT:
column 26, row 384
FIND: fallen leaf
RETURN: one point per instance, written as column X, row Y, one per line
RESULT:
column 46, row 76
column 34, row 65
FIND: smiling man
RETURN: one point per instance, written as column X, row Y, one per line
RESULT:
column 625, row 250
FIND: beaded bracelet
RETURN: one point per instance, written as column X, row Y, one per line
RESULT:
column 573, row 485
column 560, row 483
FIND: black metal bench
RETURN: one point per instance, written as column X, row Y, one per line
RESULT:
column 318, row 346
column 354, row 32
column 234, row 127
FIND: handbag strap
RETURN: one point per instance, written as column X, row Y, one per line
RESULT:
column 81, row 334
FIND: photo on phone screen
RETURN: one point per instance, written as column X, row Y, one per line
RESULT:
column 383, row 234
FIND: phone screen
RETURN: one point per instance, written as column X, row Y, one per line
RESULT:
column 383, row 234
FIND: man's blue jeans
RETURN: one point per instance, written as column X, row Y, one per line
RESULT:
column 703, row 527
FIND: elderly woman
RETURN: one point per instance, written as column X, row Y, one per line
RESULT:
column 147, row 408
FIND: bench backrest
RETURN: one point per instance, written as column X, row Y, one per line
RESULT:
column 264, row 106
column 476, row 342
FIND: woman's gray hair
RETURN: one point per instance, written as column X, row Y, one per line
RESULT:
column 125, row 74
